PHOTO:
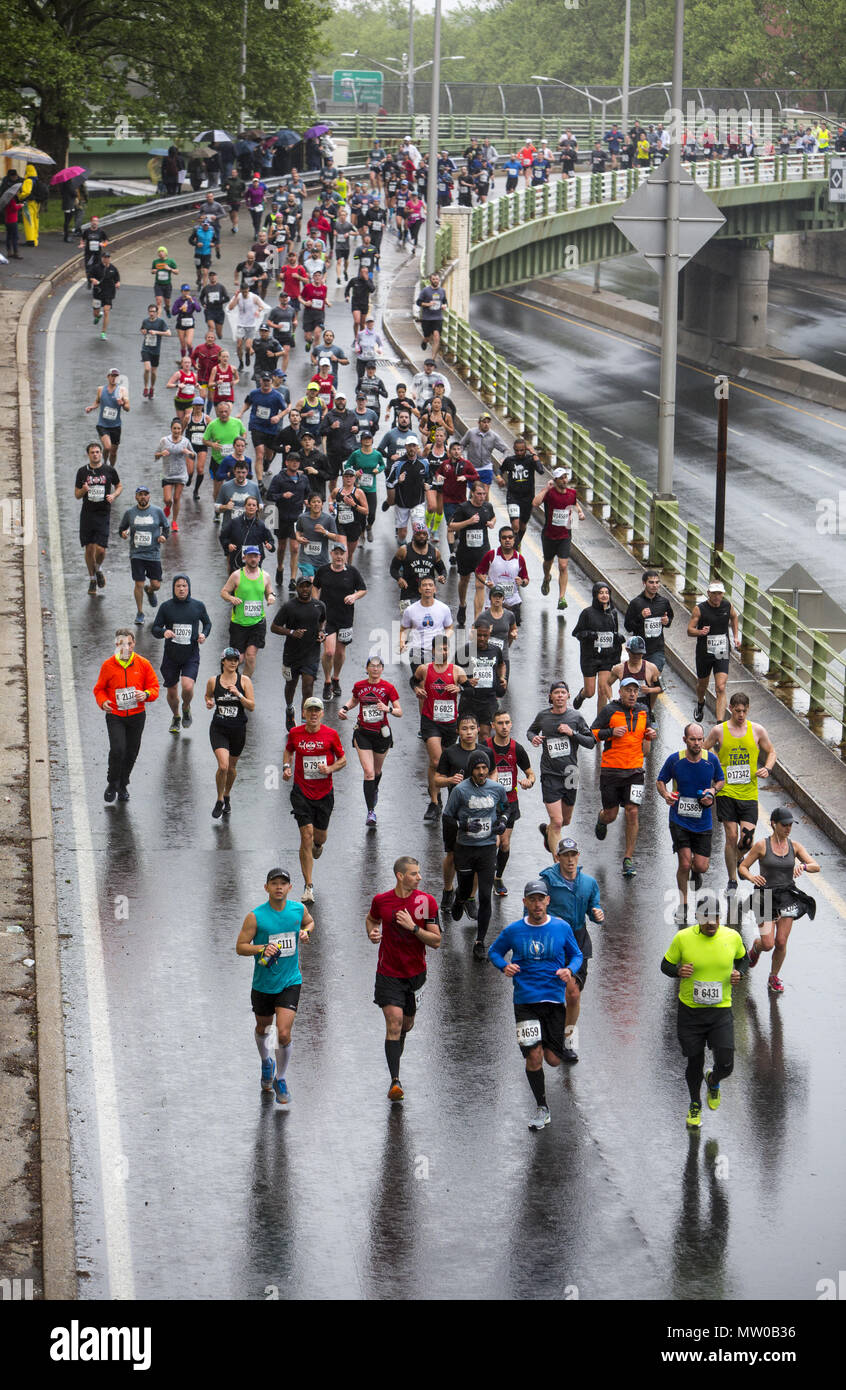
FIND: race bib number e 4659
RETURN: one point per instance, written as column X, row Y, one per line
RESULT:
column 528, row 1032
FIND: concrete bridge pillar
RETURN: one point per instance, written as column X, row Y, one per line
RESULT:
column 753, row 277
column 725, row 294
column 457, row 284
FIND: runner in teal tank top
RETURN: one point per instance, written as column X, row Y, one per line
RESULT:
column 271, row 934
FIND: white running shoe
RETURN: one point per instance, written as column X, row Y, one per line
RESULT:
column 541, row 1119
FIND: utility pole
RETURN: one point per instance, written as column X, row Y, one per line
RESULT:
column 670, row 281
column 411, row 65
column 244, row 70
column 722, row 449
column 627, row 44
column 432, row 182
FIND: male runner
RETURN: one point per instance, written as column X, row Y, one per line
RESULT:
column 696, row 780
column 301, row 620
column 573, row 896
column 510, row 759
column 97, row 486
column 479, row 806
column 248, row 590
column 622, row 727
column 147, row 528
column 737, row 743
column 709, row 624
column 184, row 624
column 560, row 732
column 272, row 933
column 317, row 755
column 403, row 921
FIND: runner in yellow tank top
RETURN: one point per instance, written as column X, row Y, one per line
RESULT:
column 737, row 743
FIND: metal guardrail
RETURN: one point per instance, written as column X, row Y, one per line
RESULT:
column 806, row 671
column 590, row 190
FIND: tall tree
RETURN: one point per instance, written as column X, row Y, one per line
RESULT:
column 77, row 63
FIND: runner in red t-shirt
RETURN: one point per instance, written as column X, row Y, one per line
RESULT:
column 294, row 276
column 314, row 312
column 437, row 686
column 318, row 753
column 458, row 475
column 557, row 499
column 404, row 921
column 376, row 699
column 203, row 358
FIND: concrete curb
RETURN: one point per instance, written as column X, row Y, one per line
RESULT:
column 58, row 1245
column 806, row 767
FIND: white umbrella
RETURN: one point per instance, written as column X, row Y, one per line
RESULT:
column 210, row 137
column 28, row 153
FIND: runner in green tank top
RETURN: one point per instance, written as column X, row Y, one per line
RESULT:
column 272, row 934
column 737, row 743
column 248, row 590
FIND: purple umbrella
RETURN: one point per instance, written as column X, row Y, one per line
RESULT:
column 316, row 131
column 75, row 171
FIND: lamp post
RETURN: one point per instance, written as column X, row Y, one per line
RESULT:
column 406, row 72
column 244, row 68
column 432, row 181
column 670, row 282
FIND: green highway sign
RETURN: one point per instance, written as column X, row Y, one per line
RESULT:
column 357, row 87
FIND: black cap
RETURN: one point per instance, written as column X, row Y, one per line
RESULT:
column 265, row 376
column 475, row 759
column 558, row 685
column 568, row 846
column 278, row 873
column 782, row 815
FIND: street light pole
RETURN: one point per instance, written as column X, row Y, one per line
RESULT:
column 244, row 68
column 432, row 182
column 627, row 44
column 670, row 283
column 411, row 64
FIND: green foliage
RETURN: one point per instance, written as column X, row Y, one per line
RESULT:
column 96, row 62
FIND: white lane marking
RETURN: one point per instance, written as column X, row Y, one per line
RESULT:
column 775, row 519
column 732, row 430
column 608, row 430
column 652, row 394
column 689, row 471
column 115, row 1215
column 839, row 353
column 824, row 471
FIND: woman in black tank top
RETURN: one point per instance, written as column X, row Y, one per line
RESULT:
column 230, row 695
column 773, row 865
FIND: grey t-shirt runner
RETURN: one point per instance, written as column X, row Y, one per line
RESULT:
column 560, row 751
column 146, row 526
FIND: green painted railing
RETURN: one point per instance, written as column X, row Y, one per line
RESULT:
column 592, row 190
column 806, row 670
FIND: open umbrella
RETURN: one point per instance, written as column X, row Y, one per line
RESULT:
column 9, row 192
column 29, row 153
column 74, row 171
column 286, row 138
column 208, row 137
column 317, row 130
column 244, row 146
column 157, row 154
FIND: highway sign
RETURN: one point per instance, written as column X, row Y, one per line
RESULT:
column 837, row 180
column 357, row 87
column 642, row 218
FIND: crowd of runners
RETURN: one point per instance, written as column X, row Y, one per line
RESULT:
column 287, row 478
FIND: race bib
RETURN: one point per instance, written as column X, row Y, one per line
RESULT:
column 636, row 793
column 252, row 608
column 717, row 646
column 127, row 696
column 473, row 539
column 286, row 941
column 505, row 778
column 311, row 769
column 109, row 412
column 94, row 246
column 226, row 711
column 286, row 673
column 484, row 675
column 346, row 516
column 150, row 339
column 444, row 711
column 313, row 547
column 143, row 539
column 98, row 303
column 561, row 516
column 370, row 714
column 224, row 388
column 344, row 634
column 652, row 627
column 792, row 910
column 528, row 1032
column 707, row 992
column 418, row 996
column 558, row 747
column 187, row 321
column 162, row 276
column 182, row 633
column 514, row 511
column 738, row 775
column 603, row 641
column 262, row 412
column 96, row 493
column 508, row 589
column 689, row 806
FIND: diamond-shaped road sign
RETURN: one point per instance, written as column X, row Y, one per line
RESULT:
column 837, row 180
column 643, row 218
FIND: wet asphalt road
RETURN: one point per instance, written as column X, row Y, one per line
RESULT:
column 187, row 1182
column 784, row 454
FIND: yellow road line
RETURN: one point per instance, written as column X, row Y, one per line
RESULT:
column 642, row 347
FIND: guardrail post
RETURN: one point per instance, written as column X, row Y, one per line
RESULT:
column 819, row 671
column 749, row 616
column 561, row 195
column 663, row 529
column 501, row 383
column 578, row 199
column 640, row 516
column 693, row 543
column 776, row 638
column 804, row 164
column 757, row 168
column 790, row 647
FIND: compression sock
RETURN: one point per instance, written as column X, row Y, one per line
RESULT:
column 370, row 794
column 393, row 1052
column 693, row 1075
column 376, row 780
column 198, row 482
column 538, row 1085
column 263, row 1043
column 403, row 1036
column 501, row 861
column 283, row 1057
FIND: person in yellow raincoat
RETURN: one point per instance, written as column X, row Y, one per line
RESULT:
column 29, row 216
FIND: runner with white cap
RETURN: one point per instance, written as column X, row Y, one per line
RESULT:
column 709, row 624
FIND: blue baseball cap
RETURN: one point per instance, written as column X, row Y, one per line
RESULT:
column 142, row 487
column 251, row 550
